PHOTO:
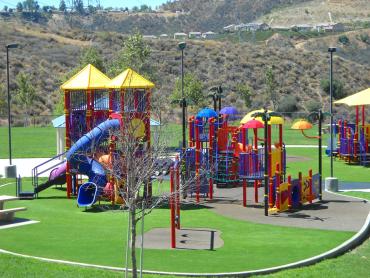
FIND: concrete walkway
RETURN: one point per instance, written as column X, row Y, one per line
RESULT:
column 335, row 212
column 24, row 166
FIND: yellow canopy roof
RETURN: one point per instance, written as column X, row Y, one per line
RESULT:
column 87, row 78
column 129, row 79
column 360, row 98
column 275, row 120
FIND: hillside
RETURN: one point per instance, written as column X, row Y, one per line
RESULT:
column 178, row 16
column 48, row 57
column 317, row 11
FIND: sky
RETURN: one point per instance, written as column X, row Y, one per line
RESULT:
column 104, row 3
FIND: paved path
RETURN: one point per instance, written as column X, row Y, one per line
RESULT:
column 24, row 166
column 335, row 212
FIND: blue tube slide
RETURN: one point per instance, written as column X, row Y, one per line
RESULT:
column 90, row 191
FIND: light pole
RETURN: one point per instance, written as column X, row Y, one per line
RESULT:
column 331, row 50
column 182, row 46
column 11, row 170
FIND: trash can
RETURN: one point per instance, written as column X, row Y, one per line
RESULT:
column 331, row 184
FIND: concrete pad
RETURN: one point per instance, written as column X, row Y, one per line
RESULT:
column 335, row 212
column 24, row 166
column 16, row 223
column 186, row 238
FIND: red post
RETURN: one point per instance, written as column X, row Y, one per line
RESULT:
column 363, row 116
column 281, row 148
column 211, row 142
column 197, row 160
column 244, row 139
column 310, row 185
column 111, row 100
column 172, row 209
column 255, row 184
column 269, row 150
column 178, row 201
column 244, row 192
column 289, row 192
column 191, row 139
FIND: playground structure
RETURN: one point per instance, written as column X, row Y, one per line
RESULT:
column 225, row 156
column 353, row 139
column 94, row 107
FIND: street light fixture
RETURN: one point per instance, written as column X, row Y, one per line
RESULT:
column 10, row 171
column 331, row 50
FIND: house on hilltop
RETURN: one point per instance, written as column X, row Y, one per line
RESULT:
column 195, row 35
column 180, row 36
column 209, row 35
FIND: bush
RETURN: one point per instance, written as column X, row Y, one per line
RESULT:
column 313, row 105
column 288, row 104
column 338, row 90
column 364, row 38
column 343, row 39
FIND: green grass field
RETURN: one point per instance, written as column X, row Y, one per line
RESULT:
column 34, row 142
column 69, row 233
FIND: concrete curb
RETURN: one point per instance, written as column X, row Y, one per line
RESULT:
column 350, row 244
column 348, row 196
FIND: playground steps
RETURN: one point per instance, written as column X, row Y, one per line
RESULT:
column 26, row 195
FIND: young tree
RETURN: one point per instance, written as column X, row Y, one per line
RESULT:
column 245, row 93
column 26, row 94
column 5, row 8
column 3, row 100
column 134, row 54
column 79, row 6
column 193, row 91
column 92, row 56
column 271, row 88
column 19, row 7
column 62, row 6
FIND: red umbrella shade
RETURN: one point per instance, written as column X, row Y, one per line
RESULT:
column 253, row 124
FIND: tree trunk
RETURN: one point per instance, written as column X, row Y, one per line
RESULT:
column 133, row 241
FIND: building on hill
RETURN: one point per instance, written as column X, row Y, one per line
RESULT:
column 180, row 36
column 329, row 27
column 163, row 36
column 209, row 35
column 301, row 27
column 195, row 35
column 229, row 28
column 252, row 27
column 150, row 37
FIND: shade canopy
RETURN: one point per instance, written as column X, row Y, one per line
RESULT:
column 207, row 113
column 231, row 111
column 301, row 125
column 89, row 78
column 274, row 120
column 360, row 98
column 130, row 79
column 253, row 124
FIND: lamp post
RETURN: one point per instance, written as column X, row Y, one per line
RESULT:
column 331, row 50
column 182, row 46
column 10, row 171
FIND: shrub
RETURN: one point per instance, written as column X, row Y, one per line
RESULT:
column 313, row 105
column 288, row 104
column 338, row 90
column 343, row 39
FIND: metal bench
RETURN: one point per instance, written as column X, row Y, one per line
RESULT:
column 7, row 215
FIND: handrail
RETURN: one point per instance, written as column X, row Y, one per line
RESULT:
column 36, row 173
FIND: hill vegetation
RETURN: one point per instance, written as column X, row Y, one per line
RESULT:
column 49, row 51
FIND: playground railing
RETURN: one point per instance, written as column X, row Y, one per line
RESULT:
column 45, row 167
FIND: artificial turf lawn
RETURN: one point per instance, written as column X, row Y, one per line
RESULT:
column 342, row 266
column 359, row 194
column 33, row 142
column 69, row 233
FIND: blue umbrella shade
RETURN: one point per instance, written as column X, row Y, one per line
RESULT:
column 231, row 111
column 207, row 113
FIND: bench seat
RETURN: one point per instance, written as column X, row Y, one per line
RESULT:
column 8, row 214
